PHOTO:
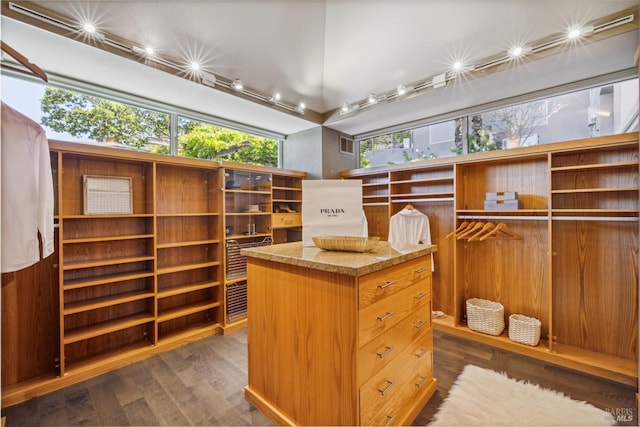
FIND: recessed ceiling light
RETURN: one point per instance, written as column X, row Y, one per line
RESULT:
column 373, row 98
column 457, row 66
column 345, row 107
column 194, row 66
column 401, row 89
column 149, row 50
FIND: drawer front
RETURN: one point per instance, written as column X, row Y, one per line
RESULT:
column 286, row 220
column 379, row 285
column 385, row 396
column 384, row 314
column 380, row 351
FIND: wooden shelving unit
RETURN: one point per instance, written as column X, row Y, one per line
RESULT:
column 247, row 223
column 262, row 206
column 188, row 249
column 123, row 286
column 106, row 262
column 286, row 218
column 575, row 267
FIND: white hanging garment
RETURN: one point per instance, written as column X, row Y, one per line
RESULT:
column 27, row 191
column 410, row 226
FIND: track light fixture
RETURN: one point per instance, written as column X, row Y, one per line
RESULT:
column 275, row 98
column 237, row 85
column 577, row 31
column 71, row 28
column 208, row 79
column 89, row 28
column 459, row 67
column 518, row 51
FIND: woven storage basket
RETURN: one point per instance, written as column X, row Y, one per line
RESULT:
column 485, row 316
column 523, row 329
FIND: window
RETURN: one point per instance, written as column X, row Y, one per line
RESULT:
column 427, row 142
column 209, row 141
column 605, row 110
column 80, row 117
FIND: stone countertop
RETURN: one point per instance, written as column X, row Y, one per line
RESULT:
column 349, row 263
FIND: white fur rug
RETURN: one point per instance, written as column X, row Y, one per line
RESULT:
column 481, row 397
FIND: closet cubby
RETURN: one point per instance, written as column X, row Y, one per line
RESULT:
column 188, row 250
column 417, row 184
column 528, row 176
column 375, row 189
column 286, row 217
column 571, row 261
column 596, row 182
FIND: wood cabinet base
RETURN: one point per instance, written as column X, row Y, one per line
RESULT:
column 410, row 414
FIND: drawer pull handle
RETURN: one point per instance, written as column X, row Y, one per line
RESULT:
column 387, row 350
column 421, row 295
column 420, row 324
column 391, row 417
column 423, row 351
column 421, row 270
column 386, row 284
column 386, row 316
column 387, row 388
column 421, row 382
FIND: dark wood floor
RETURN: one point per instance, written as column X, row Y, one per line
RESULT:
column 203, row 384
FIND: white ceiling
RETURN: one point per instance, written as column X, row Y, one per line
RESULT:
column 324, row 53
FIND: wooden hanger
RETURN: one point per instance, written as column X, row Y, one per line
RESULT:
column 409, row 207
column 501, row 228
column 32, row 69
column 471, row 230
column 487, row 227
column 461, row 227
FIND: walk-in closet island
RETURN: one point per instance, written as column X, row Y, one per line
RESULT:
column 340, row 338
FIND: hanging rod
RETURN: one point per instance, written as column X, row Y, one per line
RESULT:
column 434, row 199
column 504, row 217
column 596, row 218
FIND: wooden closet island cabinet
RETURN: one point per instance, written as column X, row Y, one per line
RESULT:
column 340, row 338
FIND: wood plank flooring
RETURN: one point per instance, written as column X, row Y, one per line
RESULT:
column 203, row 383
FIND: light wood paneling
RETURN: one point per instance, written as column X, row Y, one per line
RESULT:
column 595, row 285
column 30, row 333
column 321, row 312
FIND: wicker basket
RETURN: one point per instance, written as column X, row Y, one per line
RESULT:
column 346, row 243
column 485, row 316
column 523, row 329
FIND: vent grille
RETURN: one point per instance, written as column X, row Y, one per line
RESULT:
column 346, row 145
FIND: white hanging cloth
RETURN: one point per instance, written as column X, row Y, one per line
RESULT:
column 27, row 191
column 410, row 226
